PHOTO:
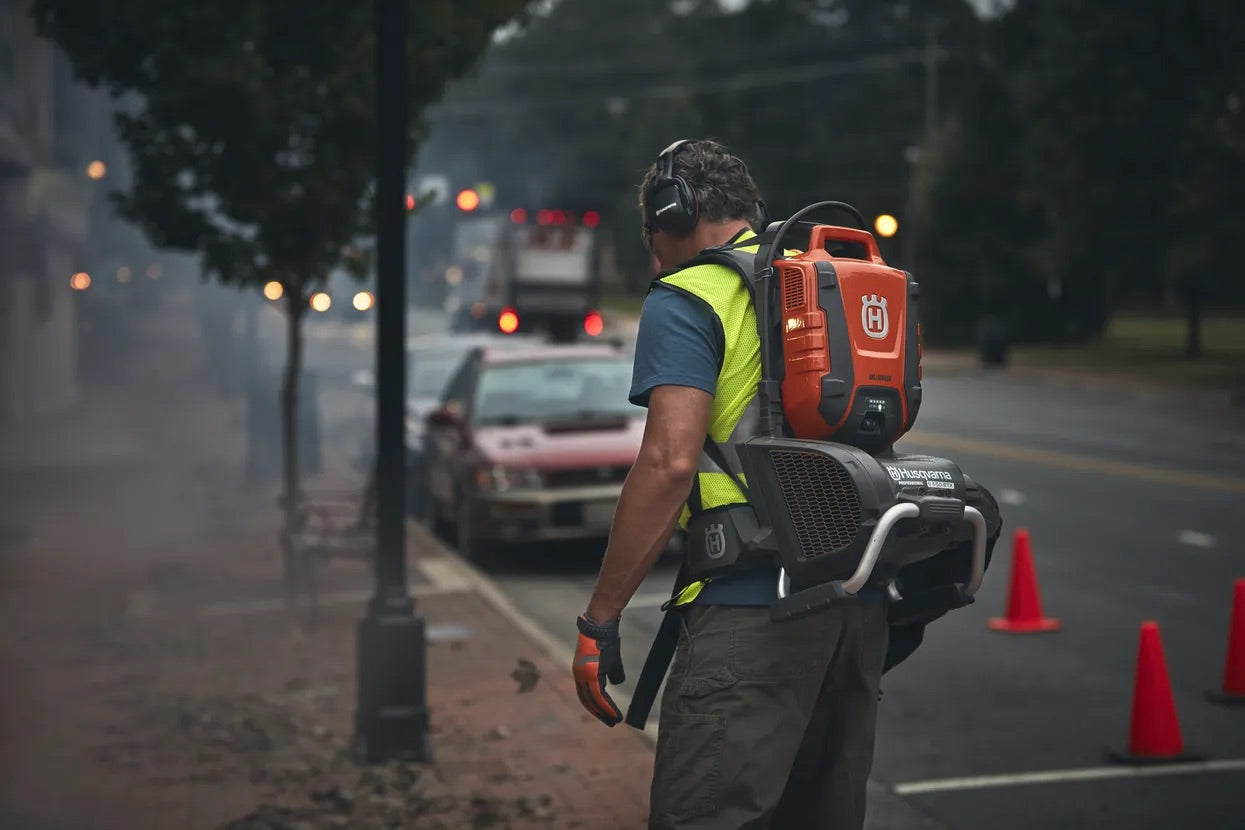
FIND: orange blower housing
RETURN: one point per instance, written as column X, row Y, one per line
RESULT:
column 850, row 338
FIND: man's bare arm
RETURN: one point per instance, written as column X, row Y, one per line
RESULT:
column 653, row 495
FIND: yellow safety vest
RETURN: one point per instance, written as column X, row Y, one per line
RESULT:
column 736, row 413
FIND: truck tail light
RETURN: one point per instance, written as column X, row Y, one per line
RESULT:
column 508, row 321
column 593, row 323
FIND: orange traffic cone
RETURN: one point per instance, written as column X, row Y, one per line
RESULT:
column 1233, row 690
column 1154, row 732
column 1024, row 604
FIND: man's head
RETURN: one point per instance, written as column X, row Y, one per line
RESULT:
column 694, row 196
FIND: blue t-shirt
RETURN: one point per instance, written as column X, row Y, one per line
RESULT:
column 679, row 343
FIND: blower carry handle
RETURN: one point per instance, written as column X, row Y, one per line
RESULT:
column 783, row 229
column 893, row 515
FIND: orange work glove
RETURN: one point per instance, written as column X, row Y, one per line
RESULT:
column 598, row 658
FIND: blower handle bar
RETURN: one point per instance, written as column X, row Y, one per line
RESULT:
column 905, row 510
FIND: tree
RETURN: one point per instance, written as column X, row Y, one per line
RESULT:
column 820, row 96
column 251, row 127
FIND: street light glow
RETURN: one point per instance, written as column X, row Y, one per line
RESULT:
column 321, row 301
column 96, row 170
column 154, row 271
column 273, row 290
column 363, row 300
column 124, row 274
column 886, row 225
column 80, row 281
column 468, row 199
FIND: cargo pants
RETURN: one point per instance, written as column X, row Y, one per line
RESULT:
column 768, row 724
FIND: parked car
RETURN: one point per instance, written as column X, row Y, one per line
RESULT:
column 531, row 445
column 431, row 360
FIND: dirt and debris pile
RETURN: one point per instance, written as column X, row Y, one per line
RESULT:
column 396, row 795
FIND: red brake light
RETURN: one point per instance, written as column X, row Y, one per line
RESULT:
column 591, row 218
column 544, row 217
column 508, row 321
column 410, row 201
column 518, row 216
column 593, row 323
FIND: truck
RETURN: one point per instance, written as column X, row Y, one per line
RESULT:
column 525, row 271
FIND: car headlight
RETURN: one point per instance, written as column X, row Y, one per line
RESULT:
column 499, row 478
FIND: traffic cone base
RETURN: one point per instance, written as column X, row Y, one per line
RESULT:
column 1225, row 700
column 1153, row 760
column 1024, row 601
column 1024, row 626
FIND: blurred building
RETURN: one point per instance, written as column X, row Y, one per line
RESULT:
column 47, row 126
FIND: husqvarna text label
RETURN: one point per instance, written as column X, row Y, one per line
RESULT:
column 906, row 474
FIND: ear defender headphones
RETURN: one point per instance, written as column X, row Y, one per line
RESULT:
column 671, row 204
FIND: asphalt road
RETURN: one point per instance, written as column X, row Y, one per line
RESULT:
column 1136, row 512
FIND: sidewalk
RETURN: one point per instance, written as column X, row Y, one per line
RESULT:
column 150, row 676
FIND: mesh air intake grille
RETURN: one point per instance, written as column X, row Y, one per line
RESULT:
column 821, row 499
column 792, row 289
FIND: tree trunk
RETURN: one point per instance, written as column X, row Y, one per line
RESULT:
column 289, row 404
column 1193, row 311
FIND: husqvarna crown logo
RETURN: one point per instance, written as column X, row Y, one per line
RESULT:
column 715, row 542
column 873, row 316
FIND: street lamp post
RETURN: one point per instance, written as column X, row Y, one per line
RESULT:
column 391, row 714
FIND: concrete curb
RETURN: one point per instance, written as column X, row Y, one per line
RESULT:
column 937, row 364
column 472, row 578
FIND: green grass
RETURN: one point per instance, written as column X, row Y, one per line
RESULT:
column 1154, row 347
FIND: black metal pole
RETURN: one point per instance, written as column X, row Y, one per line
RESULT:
column 391, row 717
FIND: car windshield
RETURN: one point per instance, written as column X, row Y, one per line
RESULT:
column 512, row 393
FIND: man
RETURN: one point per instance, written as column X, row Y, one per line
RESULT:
column 762, row 724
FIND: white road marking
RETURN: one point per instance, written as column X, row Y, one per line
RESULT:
column 1195, row 539
column 1011, row 497
column 981, row 782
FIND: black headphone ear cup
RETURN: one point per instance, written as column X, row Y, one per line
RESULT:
column 674, row 207
column 691, row 213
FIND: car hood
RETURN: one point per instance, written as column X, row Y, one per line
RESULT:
column 576, row 445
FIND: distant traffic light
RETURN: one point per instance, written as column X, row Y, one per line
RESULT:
column 410, row 202
column 886, row 225
column 468, row 199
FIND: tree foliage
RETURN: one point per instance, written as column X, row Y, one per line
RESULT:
column 1106, row 160
column 251, row 126
column 1075, row 158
